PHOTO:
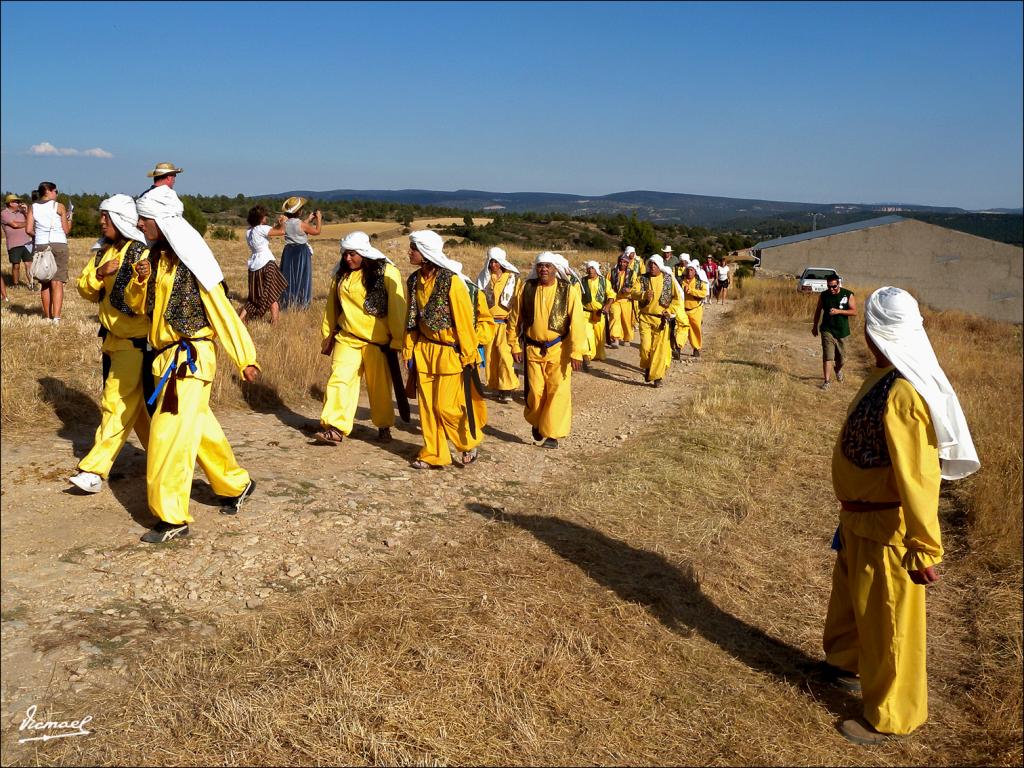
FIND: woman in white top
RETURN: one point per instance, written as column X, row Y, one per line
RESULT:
column 266, row 283
column 49, row 223
column 297, row 257
column 724, row 280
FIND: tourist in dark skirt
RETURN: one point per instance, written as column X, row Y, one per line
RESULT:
column 297, row 258
column 266, row 283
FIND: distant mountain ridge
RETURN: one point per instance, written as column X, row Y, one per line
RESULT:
column 659, row 207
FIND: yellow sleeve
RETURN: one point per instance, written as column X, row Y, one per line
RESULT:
column 678, row 308
column 698, row 291
column 89, row 284
column 485, row 327
column 329, row 326
column 577, row 323
column 512, row 321
column 398, row 306
column 229, row 329
column 462, row 313
column 914, row 451
column 135, row 294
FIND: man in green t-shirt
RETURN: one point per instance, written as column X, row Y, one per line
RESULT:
column 832, row 318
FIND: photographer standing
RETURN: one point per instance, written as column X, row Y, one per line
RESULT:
column 17, row 237
column 297, row 257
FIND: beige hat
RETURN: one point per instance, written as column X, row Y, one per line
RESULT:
column 667, row 249
column 293, row 204
column 163, row 169
column 11, row 198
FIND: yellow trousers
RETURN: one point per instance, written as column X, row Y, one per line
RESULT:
column 595, row 336
column 549, row 401
column 875, row 627
column 695, row 316
column 655, row 347
column 176, row 440
column 341, row 398
column 443, row 417
column 122, row 408
column 501, row 374
column 622, row 321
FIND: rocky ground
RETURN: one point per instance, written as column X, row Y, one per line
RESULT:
column 80, row 592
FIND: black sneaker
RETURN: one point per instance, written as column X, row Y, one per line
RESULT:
column 549, row 443
column 163, row 532
column 537, row 436
column 384, row 434
column 677, row 354
column 505, row 397
column 696, row 353
column 586, row 364
column 231, row 505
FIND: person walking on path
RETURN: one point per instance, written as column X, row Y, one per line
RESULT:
column 499, row 280
column 183, row 294
column 723, row 277
column 103, row 281
column 711, row 270
column 548, row 318
column 621, row 315
column 266, row 283
column 904, row 433
column 660, row 299
column 48, row 222
column 363, row 332
column 485, row 329
column 597, row 297
column 441, row 348
column 18, row 240
column 694, row 291
column 297, row 257
column 836, row 305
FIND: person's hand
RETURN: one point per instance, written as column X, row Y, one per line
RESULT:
column 925, row 576
column 108, row 268
column 646, row 297
column 281, row 219
column 250, row 373
column 143, row 269
column 517, row 357
column 814, row 329
column 328, row 346
column 577, row 365
column 834, row 311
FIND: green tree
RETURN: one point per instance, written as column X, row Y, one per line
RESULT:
column 640, row 234
column 193, row 215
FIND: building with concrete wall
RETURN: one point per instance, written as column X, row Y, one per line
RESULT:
column 945, row 269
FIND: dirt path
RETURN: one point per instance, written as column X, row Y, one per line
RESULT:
column 79, row 590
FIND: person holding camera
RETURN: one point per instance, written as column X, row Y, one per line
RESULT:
column 18, row 239
column 297, row 257
column 48, row 222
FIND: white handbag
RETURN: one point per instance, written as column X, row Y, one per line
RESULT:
column 44, row 266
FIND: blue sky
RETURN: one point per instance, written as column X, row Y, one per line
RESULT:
column 815, row 102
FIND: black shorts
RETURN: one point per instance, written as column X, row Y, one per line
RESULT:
column 19, row 253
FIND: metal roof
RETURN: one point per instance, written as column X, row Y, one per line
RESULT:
column 866, row 224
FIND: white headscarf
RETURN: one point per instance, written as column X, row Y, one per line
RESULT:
column 595, row 265
column 163, row 205
column 630, row 250
column 698, row 269
column 558, row 261
column 660, row 264
column 123, row 214
column 360, row 243
column 484, row 278
column 893, row 321
column 431, row 247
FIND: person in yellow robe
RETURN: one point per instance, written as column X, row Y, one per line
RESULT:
column 597, row 297
column 183, row 294
column 500, row 283
column 103, row 282
column 441, row 346
column 363, row 331
column 486, row 330
column 694, row 292
column 660, row 300
column 621, row 316
column 548, row 318
column 904, row 433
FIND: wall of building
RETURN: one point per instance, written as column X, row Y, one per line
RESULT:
column 944, row 268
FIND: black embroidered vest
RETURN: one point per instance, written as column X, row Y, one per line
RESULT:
column 437, row 314
column 665, row 300
column 558, row 320
column 863, row 438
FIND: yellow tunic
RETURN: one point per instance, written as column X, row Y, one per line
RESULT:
column 358, row 337
column 694, row 291
column 595, row 316
column 622, row 316
column 121, row 404
column 655, row 343
column 501, row 373
column 176, row 440
column 440, row 357
column 876, row 615
column 549, row 401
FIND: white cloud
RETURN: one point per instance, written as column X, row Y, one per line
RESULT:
column 46, row 148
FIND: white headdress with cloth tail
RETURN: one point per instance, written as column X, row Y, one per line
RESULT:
column 360, row 243
column 558, row 261
column 484, row 278
column 431, row 247
column 123, row 214
column 595, row 265
column 893, row 322
column 163, row 205
column 666, row 271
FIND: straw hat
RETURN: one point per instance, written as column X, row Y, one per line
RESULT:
column 11, row 198
column 667, row 249
column 163, row 169
column 293, row 204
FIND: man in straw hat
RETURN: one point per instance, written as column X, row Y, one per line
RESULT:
column 904, row 433
column 19, row 242
column 660, row 299
column 441, row 348
column 499, row 280
column 163, row 175
column 103, row 281
column 183, row 294
column 364, row 332
column 548, row 319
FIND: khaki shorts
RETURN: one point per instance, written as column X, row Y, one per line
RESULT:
column 60, row 255
column 831, row 347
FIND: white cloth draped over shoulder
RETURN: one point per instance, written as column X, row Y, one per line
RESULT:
column 484, row 278
column 163, row 205
column 893, row 321
column 123, row 214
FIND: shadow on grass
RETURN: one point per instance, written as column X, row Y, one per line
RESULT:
column 770, row 367
column 673, row 595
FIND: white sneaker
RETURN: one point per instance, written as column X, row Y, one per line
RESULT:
column 55, row 321
column 89, row 482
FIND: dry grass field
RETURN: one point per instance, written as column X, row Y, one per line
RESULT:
column 662, row 605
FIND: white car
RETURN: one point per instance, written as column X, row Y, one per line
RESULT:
column 815, row 279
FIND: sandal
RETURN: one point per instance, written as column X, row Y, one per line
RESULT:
column 329, row 436
column 468, row 457
column 421, row 464
column 384, row 435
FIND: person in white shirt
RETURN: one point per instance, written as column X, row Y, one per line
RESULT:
column 724, row 277
column 49, row 223
column 266, row 283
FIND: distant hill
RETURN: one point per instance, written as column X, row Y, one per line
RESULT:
column 658, row 207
